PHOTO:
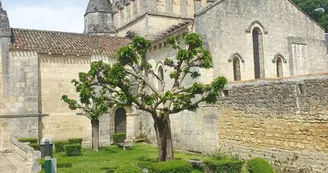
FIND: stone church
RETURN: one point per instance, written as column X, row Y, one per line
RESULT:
column 273, row 54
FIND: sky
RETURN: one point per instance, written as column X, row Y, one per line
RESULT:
column 57, row 15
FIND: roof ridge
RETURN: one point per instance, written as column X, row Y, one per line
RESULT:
column 68, row 33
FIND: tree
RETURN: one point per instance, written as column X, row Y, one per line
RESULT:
column 128, row 81
column 92, row 102
column 316, row 9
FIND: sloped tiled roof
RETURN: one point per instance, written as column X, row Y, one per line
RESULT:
column 64, row 42
column 174, row 29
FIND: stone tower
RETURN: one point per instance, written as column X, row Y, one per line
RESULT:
column 98, row 18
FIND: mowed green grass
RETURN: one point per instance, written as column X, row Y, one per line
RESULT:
column 109, row 158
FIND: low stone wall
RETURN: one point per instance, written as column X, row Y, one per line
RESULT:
column 283, row 120
column 28, row 153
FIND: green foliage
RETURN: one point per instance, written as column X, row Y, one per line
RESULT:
column 30, row 140
column 72, row 149
column 75, row 141
column 35, row 146
column 108, row 159
column 173, row 166
column 129, row 168
column 61, row 170
column 59, row 145
column 316, row 9
column 60, row 163
column 224, row 165
column 259, row 165
column 127, row 81
column 118, row 137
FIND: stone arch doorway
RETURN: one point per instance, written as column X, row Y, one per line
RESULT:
column 120, row 120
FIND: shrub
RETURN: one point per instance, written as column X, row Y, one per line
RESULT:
column 118, row 138
column 75, row 141
column 30, row 140
column 173, row 166
column 259, row 165
column 60, row 164
column 59, row 145
column 224, row 165
column 60, row 170
column 128, row 169
column 72, row 149
column 35, row 146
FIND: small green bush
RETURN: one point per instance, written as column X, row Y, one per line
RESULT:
column 174, row 166
column 72, row 149
column 30, row 140
column 75, row 141
column 259, row 165
column 128, row 169
column 118, row 138
column 59, row 145
column 61, row 170
column 35, row 146
column 60, row 164
column 224, row 165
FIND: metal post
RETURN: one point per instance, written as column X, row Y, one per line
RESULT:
column 47, row 164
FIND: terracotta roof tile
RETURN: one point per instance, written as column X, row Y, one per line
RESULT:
column 65, row 42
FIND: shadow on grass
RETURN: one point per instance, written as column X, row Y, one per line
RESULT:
column 108, row 169
column 107, row 149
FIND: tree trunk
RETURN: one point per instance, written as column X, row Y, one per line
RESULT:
column 164, row 139
column 95, row 134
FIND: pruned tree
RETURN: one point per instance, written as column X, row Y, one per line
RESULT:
column 128, row 80
column 92, row 102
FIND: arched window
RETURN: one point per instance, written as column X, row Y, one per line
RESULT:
column 258, row 53
column 160, row 74
column 279, row 67
column 236, row 69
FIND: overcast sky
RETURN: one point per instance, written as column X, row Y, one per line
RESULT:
column 58, row 15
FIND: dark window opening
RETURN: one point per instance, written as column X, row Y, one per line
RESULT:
column 236, row 69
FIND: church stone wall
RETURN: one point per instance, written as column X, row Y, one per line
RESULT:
column 56, row 74
column 20, row 97
column 227, row 26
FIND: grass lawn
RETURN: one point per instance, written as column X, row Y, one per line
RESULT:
column 109, row 158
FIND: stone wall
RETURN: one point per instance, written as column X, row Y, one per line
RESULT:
column 56, row 74
column 283, row 120
column 28, row 154
column 285, row 29
column 20, row 113
column 150, row 18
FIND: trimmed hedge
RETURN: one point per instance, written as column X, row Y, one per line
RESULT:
column 259, row 165
column 60, row 170
column 128, row 169
column 75, row 141
column 72, row 149
column 30, row 140
column 118, row 138
column 173, row 166
column 35, row 146
column 60, row 164
column 224, row 165
column 59, row 145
